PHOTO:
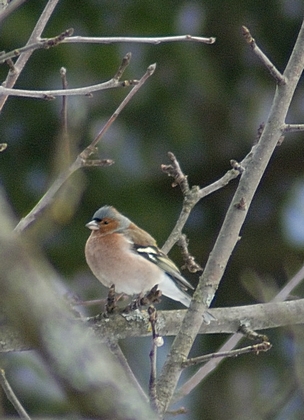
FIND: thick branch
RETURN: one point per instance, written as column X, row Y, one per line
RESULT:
column 225, row 321
column 229, row 234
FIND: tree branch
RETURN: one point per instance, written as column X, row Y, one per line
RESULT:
column 201, row 374
column 14, row 74
column 139, row 40
column 291, row 128
column 45, row 43
column 11, row 396
column 81, row 160
column 261, row 316
column 280, row 79
column 229, row 233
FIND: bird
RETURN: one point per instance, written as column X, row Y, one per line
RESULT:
column 122, row 254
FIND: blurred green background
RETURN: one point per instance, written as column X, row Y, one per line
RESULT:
column 205, row 104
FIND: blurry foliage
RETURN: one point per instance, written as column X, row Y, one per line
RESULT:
column 205, row 104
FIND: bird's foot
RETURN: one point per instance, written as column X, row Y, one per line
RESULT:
column 153, row 296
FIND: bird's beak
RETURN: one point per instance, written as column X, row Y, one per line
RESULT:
column 93, row 225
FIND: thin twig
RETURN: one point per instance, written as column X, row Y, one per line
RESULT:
column 11, row 396
column 44, row 43
column 229, row 344
column 91, row 148
column 116, row 350
column 51, row 94
column 153, row 358
column 291, row 128
column 176, row 172
column 64, row 117
column 194, row 195
column 281, row 80
column 255, row 348
column 81, row 161
column 13, row 76
column 251, row 334
column 12, row 6
column 189, row 260
column 145, row 40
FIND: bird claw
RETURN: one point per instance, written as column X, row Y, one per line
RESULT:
column 111, row 304
column 153, row 296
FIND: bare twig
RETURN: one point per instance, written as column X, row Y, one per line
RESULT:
column 255, row 348
column 235, row 338
column 81, row 161
column 12, row 6
column 44, row 43
column 64, row 117
column 230, row 230
column 140, row 40
column 281, row 80
column 116, row 350
column 291, row 128
column 91, row 148
column 51, row 94
column 252, row 335
column 11, row 396
column 153, row 358
column 189, row 260
column 13, row 76
column 176, row 172
column 194, row 195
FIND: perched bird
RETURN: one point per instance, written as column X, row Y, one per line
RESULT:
column 119, row 252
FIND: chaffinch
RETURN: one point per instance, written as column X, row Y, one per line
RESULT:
column 119, row 252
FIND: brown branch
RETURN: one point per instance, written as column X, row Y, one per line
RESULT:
column 175, row 171
column 188, row 259
column 153, row 358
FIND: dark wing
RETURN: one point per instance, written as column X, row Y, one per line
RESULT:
column 156, row 256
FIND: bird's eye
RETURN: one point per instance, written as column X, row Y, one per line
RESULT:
column 105, row 222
